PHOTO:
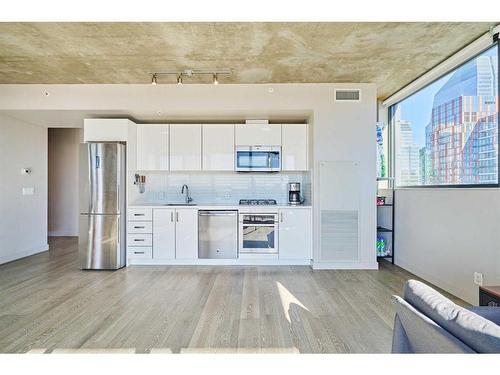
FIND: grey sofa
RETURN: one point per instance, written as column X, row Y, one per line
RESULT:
column 428, row 322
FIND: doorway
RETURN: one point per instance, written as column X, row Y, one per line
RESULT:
column 63, row 153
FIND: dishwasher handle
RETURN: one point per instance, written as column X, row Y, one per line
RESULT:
column 217, row 213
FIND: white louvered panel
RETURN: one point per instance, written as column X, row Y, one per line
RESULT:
column 339, row 235
column 340, row 210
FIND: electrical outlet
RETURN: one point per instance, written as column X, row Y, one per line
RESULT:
column 478, row 278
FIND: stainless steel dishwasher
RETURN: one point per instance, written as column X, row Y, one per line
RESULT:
column 217, row 234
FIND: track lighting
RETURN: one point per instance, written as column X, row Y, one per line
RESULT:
column 180, row 75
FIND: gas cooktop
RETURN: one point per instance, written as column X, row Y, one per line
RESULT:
column 257, row 202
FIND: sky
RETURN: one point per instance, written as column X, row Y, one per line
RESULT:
column 418, row 107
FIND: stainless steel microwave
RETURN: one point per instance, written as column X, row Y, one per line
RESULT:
column 257, row 158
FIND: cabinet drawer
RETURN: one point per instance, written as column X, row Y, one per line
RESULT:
column 140, row 214
column 137, row 239
column 140, row 252
column 139, row 227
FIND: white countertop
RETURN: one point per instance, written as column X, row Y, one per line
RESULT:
column 220, row 206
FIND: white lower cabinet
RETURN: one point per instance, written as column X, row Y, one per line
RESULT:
column 175, row 233
column 145, row 252
column 295, row 233
column 163, row 234
column 139, row 233
column 140, row 239
column 139, row 227
column 186, row 234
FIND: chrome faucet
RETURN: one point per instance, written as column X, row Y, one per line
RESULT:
column 188, row 198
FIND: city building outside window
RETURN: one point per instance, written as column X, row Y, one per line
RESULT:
column 446, row 134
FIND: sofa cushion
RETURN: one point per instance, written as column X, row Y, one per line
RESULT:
column 477, row 332
column 416, row 333
column 491, row 313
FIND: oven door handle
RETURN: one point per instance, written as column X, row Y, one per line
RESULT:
column 259, row 225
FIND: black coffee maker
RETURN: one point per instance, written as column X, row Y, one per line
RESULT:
column 294, row 197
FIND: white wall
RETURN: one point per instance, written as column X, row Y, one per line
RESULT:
column 23, row 229
column 445, row 235
column 340, row 131
column 63, row 153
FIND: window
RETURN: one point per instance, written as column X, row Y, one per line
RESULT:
column 447, row 133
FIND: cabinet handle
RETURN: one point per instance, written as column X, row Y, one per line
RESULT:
column 177, row 216
column 139, row 239
column 138, row 252
column 281, row 217
column 139, row 214
column 138, row 227
column 172, row 216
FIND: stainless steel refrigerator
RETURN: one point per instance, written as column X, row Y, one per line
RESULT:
column 101, row 242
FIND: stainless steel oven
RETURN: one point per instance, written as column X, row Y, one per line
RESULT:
column 258, row 233
column 257, row 159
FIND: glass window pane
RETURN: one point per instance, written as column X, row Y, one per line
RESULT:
column 447, row 133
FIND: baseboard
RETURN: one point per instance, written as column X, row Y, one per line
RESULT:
column 218, row 262
column 23, row 254
column 345, row 265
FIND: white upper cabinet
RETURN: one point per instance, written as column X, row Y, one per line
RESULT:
column 152, row 147
column 294, row 141
column 186, row 233
column 295, row 233
column 258, row 134
column 218, row 147
column 107, row 130
column 185, row 147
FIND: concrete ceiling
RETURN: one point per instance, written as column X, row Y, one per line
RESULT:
column 388, row 54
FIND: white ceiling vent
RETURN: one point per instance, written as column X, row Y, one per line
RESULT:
column 348, row 95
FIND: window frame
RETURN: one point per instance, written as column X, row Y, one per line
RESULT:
column 392, row 131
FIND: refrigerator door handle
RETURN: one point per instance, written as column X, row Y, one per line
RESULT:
column 90, row 181
column 118, row 198
column 92, row 177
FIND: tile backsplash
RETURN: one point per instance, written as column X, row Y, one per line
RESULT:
column 222, row 188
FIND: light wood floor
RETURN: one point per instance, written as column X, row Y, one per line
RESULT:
column 48, row 305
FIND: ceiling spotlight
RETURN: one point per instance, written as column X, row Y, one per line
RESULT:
column 181, row 74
